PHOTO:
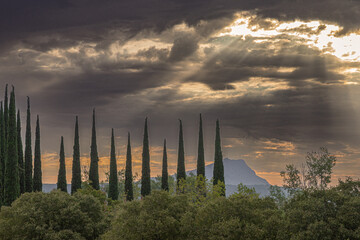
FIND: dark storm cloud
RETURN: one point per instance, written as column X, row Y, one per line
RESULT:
column 93, row 20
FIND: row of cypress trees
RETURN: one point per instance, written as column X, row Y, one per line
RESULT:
column 19, row 174
column 16, row 172
column 145, row 178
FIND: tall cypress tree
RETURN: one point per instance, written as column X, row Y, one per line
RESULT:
column 2, row 154
column 200, row 170
column 61, row 183
column 20, row 155
column 165, row 175
column 12, row 184
column 76, row 167
column 218, row 162
column 128, row 173
column 37, row 181
column 6, row 113
column 113, row 178
column 145, row 177
column 94, row 161
column 28, row 152
column 181, row 174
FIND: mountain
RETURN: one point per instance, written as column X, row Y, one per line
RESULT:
column 236, row 172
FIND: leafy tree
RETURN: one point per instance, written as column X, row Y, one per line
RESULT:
column 113, row 180
column 12, row 184
column 181, row 174
column 158, row 216
column 129, row 190
column 76, row 167
column 20, row 155
column 61, row 183
column 218, row 162
column 145, row 173
column 53, row 216
column 200, row 170
column 315, row 174
column 28, row 151
column 37, row 181
column 165, row 175
column 94, row 168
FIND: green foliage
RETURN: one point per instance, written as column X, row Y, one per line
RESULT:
column 2, row 154
column 145, row 173
column 76, row 168
column 181, row 173
column 28, row 152
column 158, row 216
column 278, row 195
column 61, row 183
column 218, row 162
column 113, row 179
column 94, row 159
column 37, row 181
column 165, row 175
column 20, row 155
column 323, row 214
column 315, row 174
column 200, row 170
column 11, row 181
column 53, row 216
column 129, row 190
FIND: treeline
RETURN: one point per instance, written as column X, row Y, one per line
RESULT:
column 20, row 172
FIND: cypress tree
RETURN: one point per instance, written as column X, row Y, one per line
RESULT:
column 76, row 167
column 181, row 174
column 28, row 152
column 165, row 175
column 6, row 113
column 218, row 162
column 12, row 184
column 128, row 173
column 113, row 178
column 201, row 157
column 2, row 154
column 94, row 159
column 37, row 180
column 61, row 183
column 20, row 155
column 145, row 177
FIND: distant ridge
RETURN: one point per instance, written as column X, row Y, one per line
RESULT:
column 236, row 172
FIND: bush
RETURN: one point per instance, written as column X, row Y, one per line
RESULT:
column 52, row 216
column 158, row 216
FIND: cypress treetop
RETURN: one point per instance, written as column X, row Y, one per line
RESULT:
column 61, row 183
column 113, row 178
column 200, row 170
column 6, row 113
column 28, row 151
column 76, row 167
column 12, row 182
column 94, row 159
column 164, row 175
column 20, row 155
column 128, row 173
column 218, row 161
column 181, row 174
column 145, row 176
column 37, row 180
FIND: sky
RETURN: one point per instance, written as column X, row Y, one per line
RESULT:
column 281, row 76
